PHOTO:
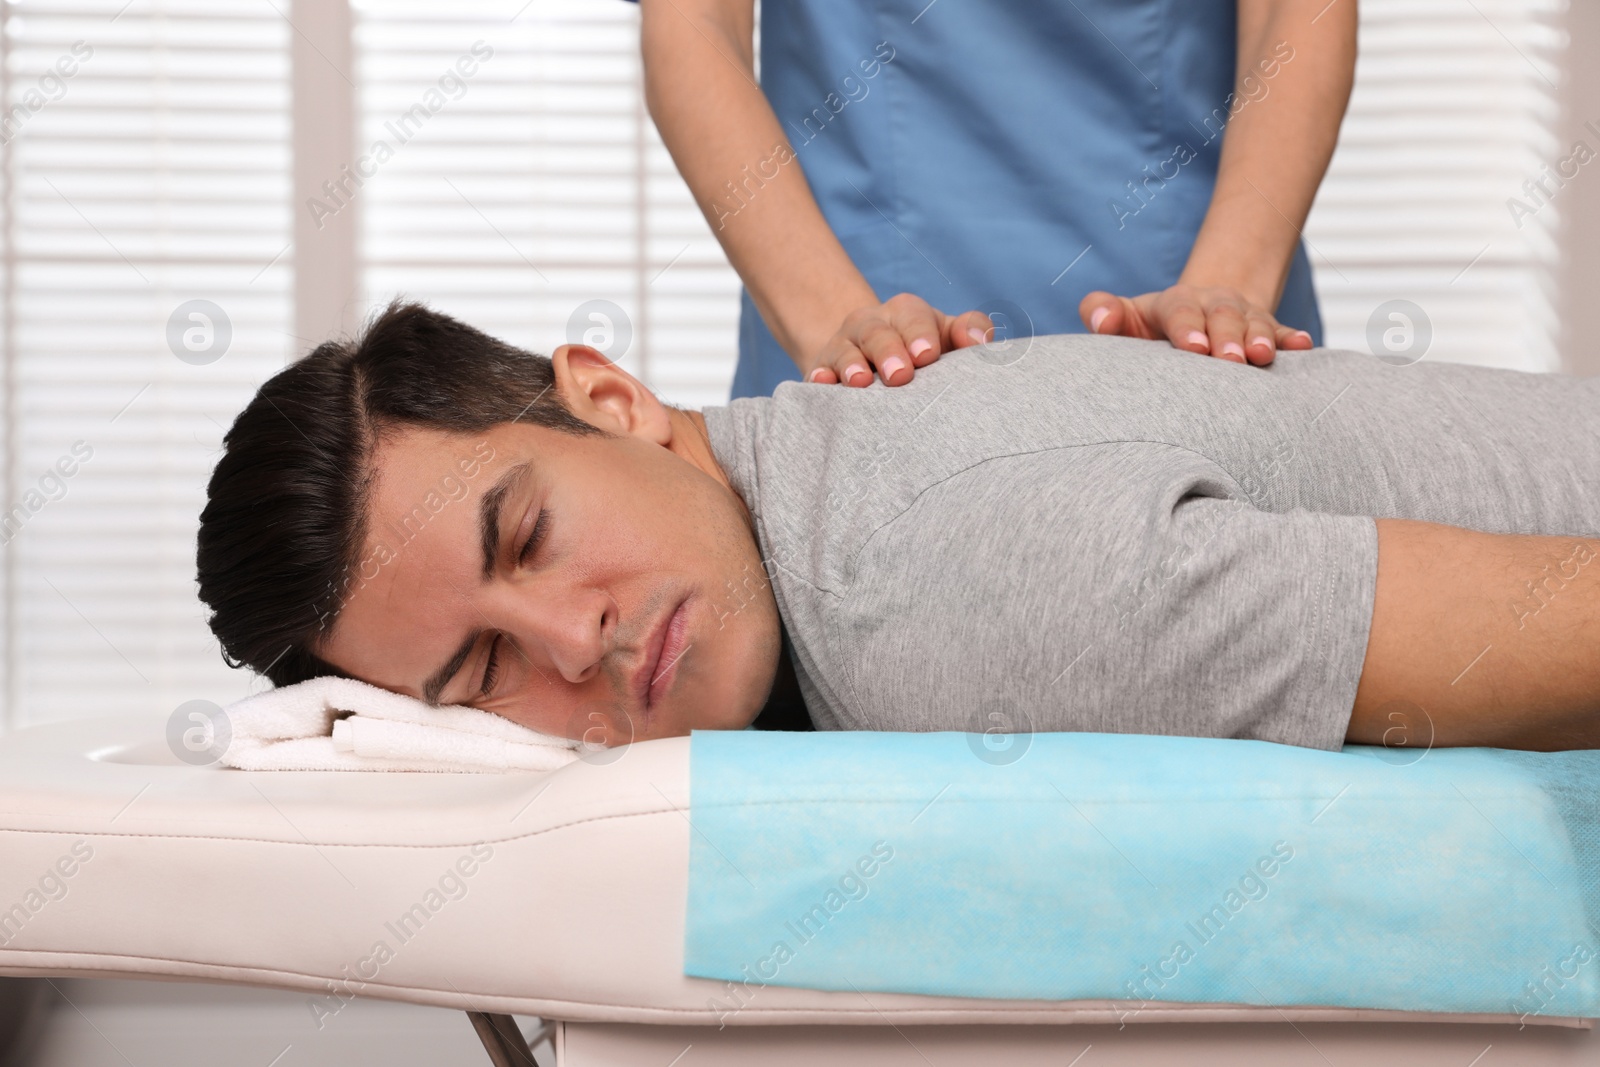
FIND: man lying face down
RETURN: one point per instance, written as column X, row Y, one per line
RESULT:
column 1063, row 533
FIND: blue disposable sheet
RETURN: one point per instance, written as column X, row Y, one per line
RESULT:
column 1142, row 869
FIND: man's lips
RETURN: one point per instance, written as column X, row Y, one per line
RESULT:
column 662, row 650
column 673, row 647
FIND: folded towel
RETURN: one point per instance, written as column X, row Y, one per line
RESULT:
column 340, row 724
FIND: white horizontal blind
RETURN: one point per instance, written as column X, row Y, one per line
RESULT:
column 1456, row 105
column 156, row 174
column 536, row 184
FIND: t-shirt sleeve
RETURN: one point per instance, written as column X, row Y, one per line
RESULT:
column 1122, row 588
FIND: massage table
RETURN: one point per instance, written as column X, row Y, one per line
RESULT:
column 559, row 896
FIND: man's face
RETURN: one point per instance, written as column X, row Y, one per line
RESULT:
column 624, row 600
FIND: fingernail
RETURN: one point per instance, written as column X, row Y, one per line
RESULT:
column 1302, row 333
column 1264, row 342
column 854, row 369
column 1097, row 318
column 977, row 336
column 919, row 346
column 813, row 374
column 891, row 366
column 1197, row 338
column 1233, row 349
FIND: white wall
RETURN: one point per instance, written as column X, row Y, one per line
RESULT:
column 1580, row 199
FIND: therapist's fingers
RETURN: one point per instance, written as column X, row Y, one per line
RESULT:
column 918, row 325
column 1140, row 316
column 1183, row 322
column 1225, row 326
column 892, row 339
column 841, row 361
column 885, row 349
column 865, row 341
column 1260, row 337
column 967, row 329
column 1290, row 338
column 1104, row 312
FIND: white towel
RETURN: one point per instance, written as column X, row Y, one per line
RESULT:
column 340, row 724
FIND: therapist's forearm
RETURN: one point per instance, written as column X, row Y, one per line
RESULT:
column 1481, row 639
column 701, row 90
column 1276, row 148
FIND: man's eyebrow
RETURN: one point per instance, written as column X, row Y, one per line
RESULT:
column 489, row 513
column 441, row 677
column 489, row 537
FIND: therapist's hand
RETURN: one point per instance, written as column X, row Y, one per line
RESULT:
column 895, row 337
column 1211, row 320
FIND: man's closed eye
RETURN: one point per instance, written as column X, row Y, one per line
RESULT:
column 541, row 527
column 491, row 671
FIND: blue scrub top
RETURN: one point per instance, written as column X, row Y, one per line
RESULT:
column 1008, row 155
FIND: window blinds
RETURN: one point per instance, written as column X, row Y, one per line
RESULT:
column 536, row 199
column 1456, row 105
column 159, row 174
column 153, row 175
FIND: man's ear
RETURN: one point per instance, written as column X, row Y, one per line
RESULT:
column 602, row 394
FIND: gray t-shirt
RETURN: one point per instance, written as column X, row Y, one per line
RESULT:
column 1104, row 534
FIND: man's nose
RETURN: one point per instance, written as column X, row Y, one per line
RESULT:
column 572, row 630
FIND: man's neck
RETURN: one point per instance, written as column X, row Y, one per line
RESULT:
column 692, row 443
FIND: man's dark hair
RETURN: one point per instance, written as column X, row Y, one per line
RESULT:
column 286, row 516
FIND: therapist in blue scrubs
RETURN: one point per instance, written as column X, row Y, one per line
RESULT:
column 908, row 176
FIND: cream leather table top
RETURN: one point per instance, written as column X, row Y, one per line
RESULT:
column 559, row 895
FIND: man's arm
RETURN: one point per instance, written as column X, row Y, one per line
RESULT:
column 1481, row 639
